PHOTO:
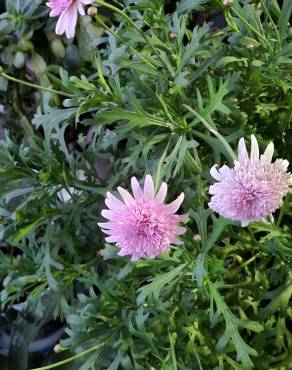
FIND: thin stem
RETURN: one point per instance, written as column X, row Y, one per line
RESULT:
column 35, row 86
column 281, row 213
column 243, row 20
column 172, row 351
column 27, row 128
column 245, row 264
column 67, row 360
column 271, row 20
column 158, row 176
column 129, row 20
column 213, row 131
column 121, row 39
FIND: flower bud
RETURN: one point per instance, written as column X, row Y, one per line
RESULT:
column 92, row 11
column 58, row 48
column 19, row 59
column 228, row 2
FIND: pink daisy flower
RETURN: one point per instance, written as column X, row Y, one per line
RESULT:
column 142, row 225
column 67, row 11
column 254, row 188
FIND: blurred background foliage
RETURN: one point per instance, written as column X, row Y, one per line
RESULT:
column 112, row 103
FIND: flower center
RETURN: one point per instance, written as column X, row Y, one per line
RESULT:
column 145, row 222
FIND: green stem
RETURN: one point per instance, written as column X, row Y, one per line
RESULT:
column 57, row 364
column 27, row 128
column 172, row 351
column 281, row 213
column 129, row 20
column 121, row 39
column 243, row 20
column 35, row 86
column 213, row 131
column 271, row 20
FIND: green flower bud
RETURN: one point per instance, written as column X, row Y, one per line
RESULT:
column 58, row 48
column 19, row 59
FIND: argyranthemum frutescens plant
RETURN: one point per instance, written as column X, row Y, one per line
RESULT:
column 114, row 106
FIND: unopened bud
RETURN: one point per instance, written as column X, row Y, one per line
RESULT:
column 100, row 253
column 57, row 348
column 92, row 11
column 197, row 238
column 173, row 35
column 250, row 46
column 228, row 2
column 172, row 128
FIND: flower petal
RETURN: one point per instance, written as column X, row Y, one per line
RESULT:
column 127, row 197
column 112, row 239
column 160, row 196
column 180, row 230
column 105, row 225
column 61, row 25
column 136, row 188
column 282, row 163
column 216, row 174
column 107, row 214
column 268, row 153
column 67, row 21
column 149, row 187
column 242, row 152
column 113, row 202
column 255, row 152
column 177, row 241
column 174, row 206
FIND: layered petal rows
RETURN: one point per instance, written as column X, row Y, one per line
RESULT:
column 253, row 188
column 142, row 225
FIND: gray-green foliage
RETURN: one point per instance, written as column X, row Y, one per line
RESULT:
column 222, row 299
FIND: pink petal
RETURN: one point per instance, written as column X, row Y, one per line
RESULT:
column 180, row 230
column 108, row 232
column 112, row 239
column 160, row 196
column 112, row 202
column 216, row 174
column 255, row 152
column 225, row 171
column 127, row 197
column 283, row 163
column 242, row 152
column 67, row 22
column 107, row 214
column 137, row 191
column 174, row 206
column 177, row 241
column 268, row 153
column 61, row 25
column 149, row 187
column 105, row 225
column 183, row 217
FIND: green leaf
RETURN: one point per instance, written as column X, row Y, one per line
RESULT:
column 152, row 290
column 284, row 18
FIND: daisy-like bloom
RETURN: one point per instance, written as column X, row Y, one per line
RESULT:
column 254, row 188
column 67, row 11
column 142, row 225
